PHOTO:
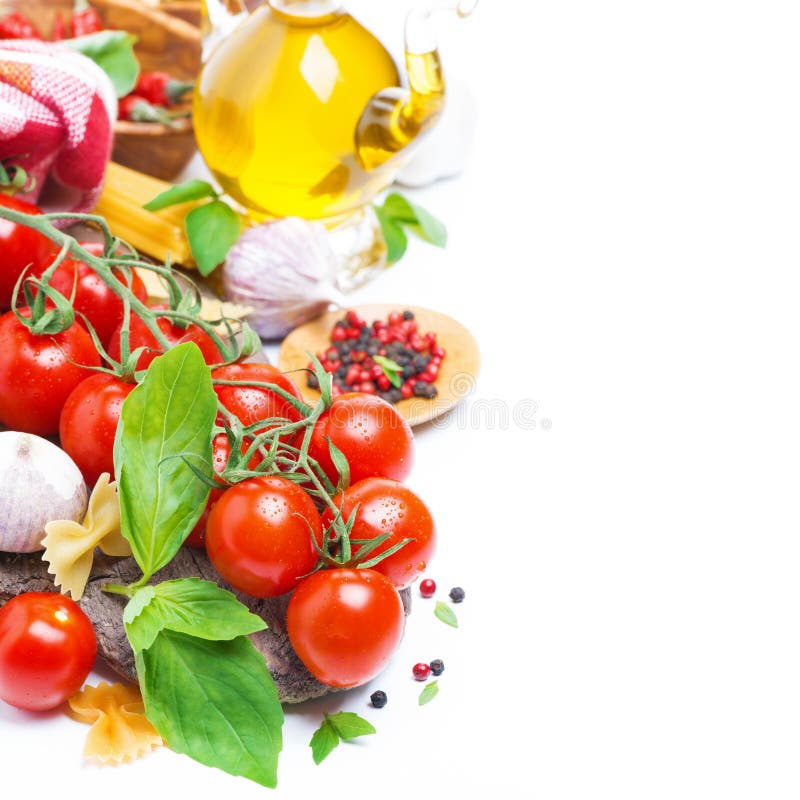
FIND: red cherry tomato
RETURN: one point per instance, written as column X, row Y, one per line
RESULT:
column 387, row 506
column 93, row 298
column 220, row 454
column 253, row 403
column 258, row 535
column 47, row 648
column 20, row 247
column 140, row 336
column 344, row 624
column 38, row 372
column 373, row 436
column 88, row 423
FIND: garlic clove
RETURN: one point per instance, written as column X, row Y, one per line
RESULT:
column 284, row 271
column 39, row 482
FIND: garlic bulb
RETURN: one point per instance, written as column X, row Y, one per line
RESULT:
column 39, row 483
column 285, row 271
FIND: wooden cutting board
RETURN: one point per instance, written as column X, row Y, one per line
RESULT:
column 459, row 370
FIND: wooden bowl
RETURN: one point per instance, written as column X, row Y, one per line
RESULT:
column 456, row 380
column 164, row 42
column 155, row 149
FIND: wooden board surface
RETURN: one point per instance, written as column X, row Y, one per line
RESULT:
column 458, row 373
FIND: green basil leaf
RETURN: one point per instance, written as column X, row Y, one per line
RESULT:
column 422, row 222
column 323, row 742
column 344, row 725
column 182, row 193
column 399, row 209
column 143, row 627
column 393, row 235
column 445, row 613
column 211, row 230
column 138, row 602
column 398, row 213
column 112, row 51
column 167, row 417
column 215, row 702
column 429, row 692
column 349, row 725
column 194, row 607
column 391, row 369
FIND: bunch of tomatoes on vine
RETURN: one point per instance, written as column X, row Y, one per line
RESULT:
column 303, row 500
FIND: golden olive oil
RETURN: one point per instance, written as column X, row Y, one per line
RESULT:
column 300, row 113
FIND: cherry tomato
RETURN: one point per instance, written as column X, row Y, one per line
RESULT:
column 20, row 247
column 258, row 535
column 93, row 298
column 253, row 403
column 47, row 648
column 373, row 436
column 344, row 624
column 385, row 506
column 220, row 454
column 38, row 372
column 140, row 336
column 88, row 423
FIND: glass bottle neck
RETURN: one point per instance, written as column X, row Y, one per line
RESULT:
column 306, row 9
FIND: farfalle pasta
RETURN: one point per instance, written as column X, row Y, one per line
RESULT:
column 120, row 731
column 69, row 546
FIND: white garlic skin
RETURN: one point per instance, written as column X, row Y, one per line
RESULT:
column 285, row 271
column 39, row 483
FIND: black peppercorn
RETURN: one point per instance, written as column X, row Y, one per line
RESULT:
column 378, row 699
column 457, row 594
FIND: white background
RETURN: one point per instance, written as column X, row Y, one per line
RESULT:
column 624, row 248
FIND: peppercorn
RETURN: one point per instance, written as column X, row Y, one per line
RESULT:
column 421, row 672
column 378, row 699
column 437, row 666
column 427, row 587
column 426, row 390
column 354, row 342
column 457, row 594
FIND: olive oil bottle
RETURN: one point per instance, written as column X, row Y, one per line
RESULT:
column 300, row 110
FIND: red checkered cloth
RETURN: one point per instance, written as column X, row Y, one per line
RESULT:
column 57, row 114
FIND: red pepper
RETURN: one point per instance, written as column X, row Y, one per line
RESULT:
column 160, row 88
column 136, row 108
column 85, row 19
column 16, row 25
column 60, row 28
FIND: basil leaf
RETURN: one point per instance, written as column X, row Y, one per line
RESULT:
column 169, row 415
column 429, row 692
column 344, row 725
column 349, row 725
column 211, row 230
column 138, row 602
column 112, row 51
column 391, row 369
column 445, row 613
column 397, row 214
column 182, row 193
column 422, row 222
column 323, row 742
column 215, row 702
column 194, row 607
column 393, row 235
